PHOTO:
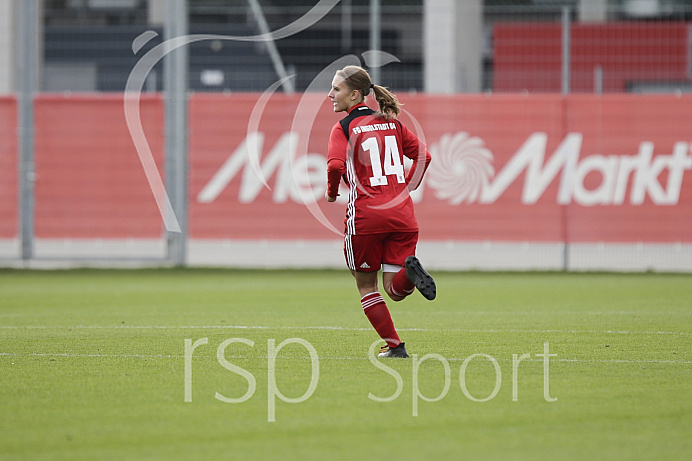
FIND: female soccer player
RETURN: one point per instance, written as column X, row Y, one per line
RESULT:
column 366, row 148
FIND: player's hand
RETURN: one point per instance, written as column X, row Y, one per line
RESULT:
column 329, row 199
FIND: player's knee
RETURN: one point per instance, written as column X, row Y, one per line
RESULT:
column 392, row 295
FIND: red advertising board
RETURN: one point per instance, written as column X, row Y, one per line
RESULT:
column 509, row 168
column 540, row 168
column 89, row 180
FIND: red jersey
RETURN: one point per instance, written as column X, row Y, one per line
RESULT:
column 368, row 151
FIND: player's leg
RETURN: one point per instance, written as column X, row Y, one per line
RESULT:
column 375, row 308
column 396, row 247
column 403, row 272
column 399, row 290
column 366, row 282
column 363, row 256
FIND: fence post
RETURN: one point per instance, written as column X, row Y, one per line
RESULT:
column 598, row 80
column 375, row 40
column 565, row 49
column 27, row 85
column 565, row 91
column 175, row 114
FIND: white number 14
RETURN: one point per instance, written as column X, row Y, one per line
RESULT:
column 391, row 161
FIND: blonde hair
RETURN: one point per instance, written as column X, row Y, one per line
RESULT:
column 357, row 78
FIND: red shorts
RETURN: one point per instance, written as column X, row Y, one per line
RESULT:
column 367, row 253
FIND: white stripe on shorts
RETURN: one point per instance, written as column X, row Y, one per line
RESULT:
column 348, row 245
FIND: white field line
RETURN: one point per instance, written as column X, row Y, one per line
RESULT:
column 515, row 313
column 330, row 328
column 451, row 359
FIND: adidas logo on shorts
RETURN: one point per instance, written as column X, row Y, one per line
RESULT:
column 364, row 266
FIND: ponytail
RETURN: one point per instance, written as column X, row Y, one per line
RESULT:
column 390, row 106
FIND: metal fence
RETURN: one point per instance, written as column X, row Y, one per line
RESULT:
column 621, row 48
column 85, row 53
column 529, row 45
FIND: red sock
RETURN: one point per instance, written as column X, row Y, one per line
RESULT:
column 376, row 310
column 401, row 285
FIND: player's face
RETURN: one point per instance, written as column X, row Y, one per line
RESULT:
column 342, row 98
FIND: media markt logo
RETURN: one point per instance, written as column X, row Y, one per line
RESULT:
column 463, row 172
column 462, row 168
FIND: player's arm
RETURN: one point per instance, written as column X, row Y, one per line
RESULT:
column 335, row 169
column 416, row 151
column 336, row 162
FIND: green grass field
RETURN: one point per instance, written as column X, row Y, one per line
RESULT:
column 92, row 366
